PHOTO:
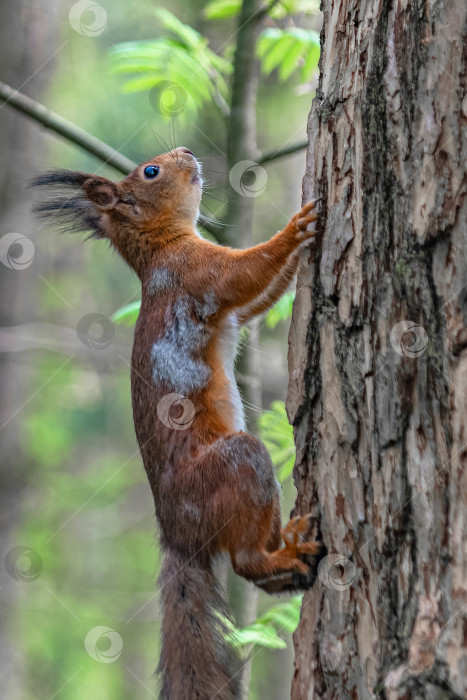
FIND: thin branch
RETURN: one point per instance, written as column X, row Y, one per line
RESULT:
column 62, row 126
column 218, row 99
column 282, row 152
column 222, row 104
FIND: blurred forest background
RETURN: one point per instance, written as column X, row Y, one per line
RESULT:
column 78, row 593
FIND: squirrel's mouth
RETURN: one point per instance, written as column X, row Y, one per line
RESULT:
column 193, row 165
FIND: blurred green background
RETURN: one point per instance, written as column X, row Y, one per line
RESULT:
column 78, row 591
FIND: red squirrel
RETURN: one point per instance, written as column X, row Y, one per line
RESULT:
column 213, row 483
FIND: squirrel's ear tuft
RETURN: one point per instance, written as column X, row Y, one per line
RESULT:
column 75, row 201
column 64, row 178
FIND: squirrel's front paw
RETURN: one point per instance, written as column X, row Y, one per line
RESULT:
column 307, row 215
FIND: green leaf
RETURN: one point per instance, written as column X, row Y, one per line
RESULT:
column 277, row 52
column 267, row 39
column 285, row 615
column 311, row 61
column 292, row 7
column 220, row 9
column 187, row 34
column 168, row 62
column 222, row 64
column 260, row 633
column 144, row 82
column 277, row 435
column 127, row 314
column 257, row 633
column 282, row 454
column 264, row 631
column 287, row 49
column 184, row 60
column 286, row 469
column 281, row 311
column 294, row 53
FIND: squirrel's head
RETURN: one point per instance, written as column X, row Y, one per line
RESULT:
column 159, row 200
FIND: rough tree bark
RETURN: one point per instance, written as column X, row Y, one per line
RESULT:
column 378, row 355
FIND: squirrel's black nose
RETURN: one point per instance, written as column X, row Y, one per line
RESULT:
column 185, row 150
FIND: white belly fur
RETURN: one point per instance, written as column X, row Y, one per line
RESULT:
column 228, row 350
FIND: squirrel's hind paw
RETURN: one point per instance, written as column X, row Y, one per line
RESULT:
column 303, row 541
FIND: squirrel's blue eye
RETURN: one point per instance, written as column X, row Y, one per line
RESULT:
column 151, row 171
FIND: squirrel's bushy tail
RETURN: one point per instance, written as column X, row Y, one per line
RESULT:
column 197, row 663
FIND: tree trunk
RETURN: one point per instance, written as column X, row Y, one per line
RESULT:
column 378, row 355
column 241, row 150
column 27, row 45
